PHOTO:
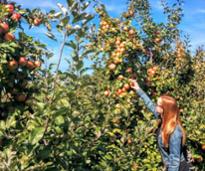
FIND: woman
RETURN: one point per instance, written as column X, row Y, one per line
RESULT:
column 171, row 135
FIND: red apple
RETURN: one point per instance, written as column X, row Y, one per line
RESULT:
column 4, row 27
column 126, row 86
column 16, row 17
column 30, row 65
column 124, row 90
column 151, row 71
column 37, row 64
column 9, row 8
column 9, row 37
column 37, row 21
column 119, row 91
column 12, row 65
column 129, row 70
column 22, row 61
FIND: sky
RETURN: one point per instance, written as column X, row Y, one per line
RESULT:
column 193, row 22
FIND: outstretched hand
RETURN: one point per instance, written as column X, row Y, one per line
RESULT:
column 134, row 84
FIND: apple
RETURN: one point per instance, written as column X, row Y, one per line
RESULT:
column 203, row 147
column 107, row 93
column 4, row 27
column 37, row 64
column 129, row 140
column 120, row 77
column 119, row 91
column 127, row 86
column 21, row 98
column 157, row 40
column 12, row 65
column 22, row 61
column 132, row 93
column 129, row 70
column 16, row 17
column 122, row 45
column 9, row 37
column 117, row 60
column 123, row 89
column 131, row 32
column 125, row 28
column 9, row 8
column 122, row 50
column 117, row 42
column 151, row 71
column 112, row 66
column 37, row 21
column 131, row 13
column 30, row 65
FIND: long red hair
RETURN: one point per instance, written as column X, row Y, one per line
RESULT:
column 170, row 119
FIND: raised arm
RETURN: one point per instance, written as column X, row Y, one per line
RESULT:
column 148, row 102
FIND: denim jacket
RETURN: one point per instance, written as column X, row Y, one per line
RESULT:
column 172, row 156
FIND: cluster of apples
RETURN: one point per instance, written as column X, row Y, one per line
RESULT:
column 151, row 71
column 104, row 26
column 180, row 51
column 129, row 13
column 119, row 43
column 125, row 88
column 23, row 61
column 4, row 26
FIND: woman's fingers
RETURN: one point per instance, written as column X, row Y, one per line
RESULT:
column 133, row 83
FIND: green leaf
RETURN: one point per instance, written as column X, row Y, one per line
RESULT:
column 79, row 17
column 71, row 44
column 36, row 135
column 51, row 36
column 70, row 2
column 65, row 21
column 59, row 120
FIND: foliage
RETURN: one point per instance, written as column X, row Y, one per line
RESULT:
column 77, row 121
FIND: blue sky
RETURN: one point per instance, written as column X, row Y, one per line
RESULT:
column 193, row 22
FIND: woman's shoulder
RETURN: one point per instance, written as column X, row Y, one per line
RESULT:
column 177, row 131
